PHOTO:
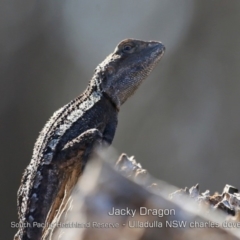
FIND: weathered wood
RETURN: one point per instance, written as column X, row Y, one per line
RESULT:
column 151, row 213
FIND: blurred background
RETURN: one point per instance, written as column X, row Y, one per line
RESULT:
column 183, row 124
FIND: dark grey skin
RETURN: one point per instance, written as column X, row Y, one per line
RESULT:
column 68, row 139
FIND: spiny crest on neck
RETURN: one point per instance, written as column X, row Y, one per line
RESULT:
column 96, row 81
column 101, row 72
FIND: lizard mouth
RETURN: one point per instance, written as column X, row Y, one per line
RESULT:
column 155, row 54
column 157, row 50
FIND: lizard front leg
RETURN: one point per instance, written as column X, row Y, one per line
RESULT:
column 71, row 161
column 79, row 148
column 59, row 177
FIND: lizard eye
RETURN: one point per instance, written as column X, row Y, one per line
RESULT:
column 127, row 48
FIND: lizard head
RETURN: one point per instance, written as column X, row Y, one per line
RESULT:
column 123, row 71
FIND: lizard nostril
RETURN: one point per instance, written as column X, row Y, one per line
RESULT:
column 157, row 45
column 153, row 43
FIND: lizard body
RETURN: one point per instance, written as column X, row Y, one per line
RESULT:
column 67, row 140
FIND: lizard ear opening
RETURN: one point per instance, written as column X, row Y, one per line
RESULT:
column 110, row 70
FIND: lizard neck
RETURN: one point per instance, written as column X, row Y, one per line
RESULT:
column 95, row 87
column 108, row 98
